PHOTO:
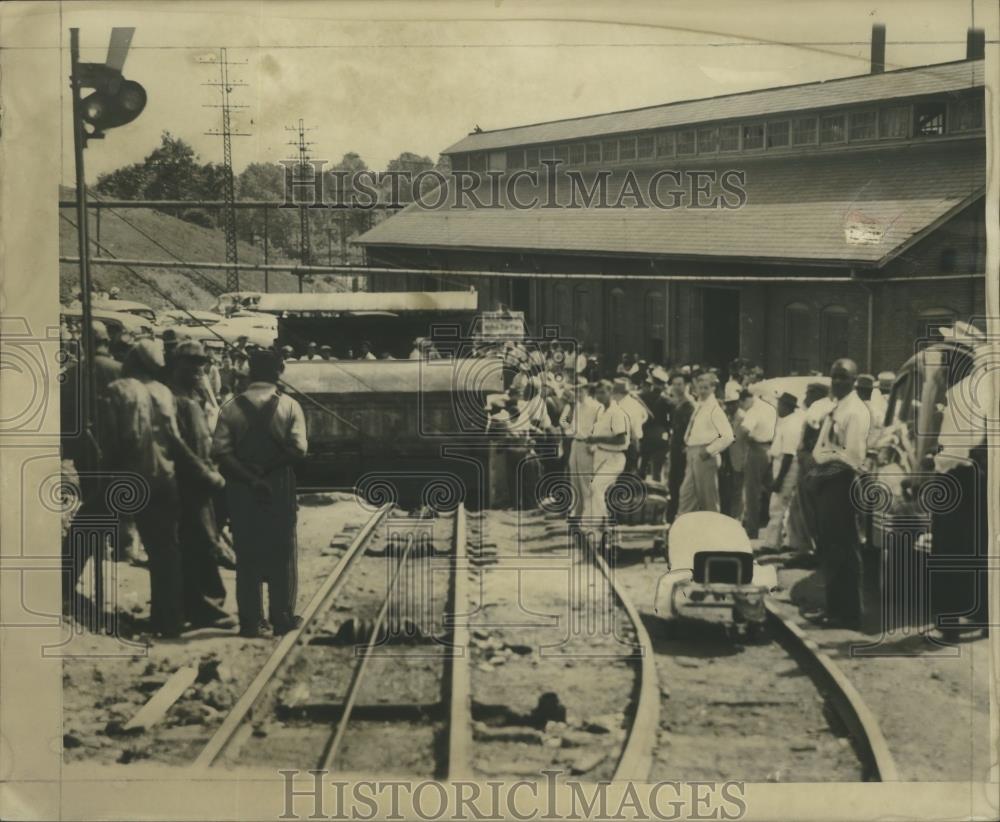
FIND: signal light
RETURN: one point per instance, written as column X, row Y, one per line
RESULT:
column 106, row 109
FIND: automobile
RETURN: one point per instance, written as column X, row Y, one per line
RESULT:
column 188, row 316
column 712, row 576
column 115, row 321
column 126, row 307
column 770, row 389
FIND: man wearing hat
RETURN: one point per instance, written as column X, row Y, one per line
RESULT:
column 139, row 435
column 653, row 451
column 577, row 423
column 326, row 353
column 198, row 481
column 260, row 435
column 288, row 353
column 779, row 532
column 758, row 424
column 312, row 352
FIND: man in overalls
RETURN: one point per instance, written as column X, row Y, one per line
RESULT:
column 260, row 435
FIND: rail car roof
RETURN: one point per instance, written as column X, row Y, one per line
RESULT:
column 367, row 302
column 394, row 376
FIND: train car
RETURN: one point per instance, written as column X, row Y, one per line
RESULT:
column 389, row 322
column 712, row 575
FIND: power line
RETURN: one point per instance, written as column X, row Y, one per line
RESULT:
column 225, row 86
column 305, row 172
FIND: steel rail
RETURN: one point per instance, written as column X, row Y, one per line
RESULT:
column 224, row 736
column 636, row 759
column 842, row 695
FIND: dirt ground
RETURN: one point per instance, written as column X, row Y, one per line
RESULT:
column 107, row 682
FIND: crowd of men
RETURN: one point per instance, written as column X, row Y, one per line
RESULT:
column 212, row 473
column 781, row 465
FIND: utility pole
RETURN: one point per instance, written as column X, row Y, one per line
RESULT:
column 225, row 86
column 305, row 172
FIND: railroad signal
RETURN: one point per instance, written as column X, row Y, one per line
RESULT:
column 115, row 101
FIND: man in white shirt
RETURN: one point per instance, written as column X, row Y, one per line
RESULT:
column 779, row 532
column 758, row 424
column 708, row 435
column 840, row 453
column 577, row 423
column 637, row 415
column 609, row 441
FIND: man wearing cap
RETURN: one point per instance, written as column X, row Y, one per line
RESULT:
column 326, row 353
column 312, row 352
column 577, row 423
column 288, row 353
column 708, row 434
column 885, row 382
column 139, row 435
column 840, row 453
column 758, row 424
column 731, row 480
column 784, row 478
column 637, row 414
column 609, row 442
column 260, row 435
column 653, row 451
column 681, row 408
column 198, row 481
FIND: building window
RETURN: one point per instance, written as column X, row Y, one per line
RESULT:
column 968, row 115
column 644, row 146
column 564, row 311
column 609, row 151
column 460, row 162
column 593, row 152
column 777, row 134
column 562, row 153
column 729, row 138
column 804, row 131
column 833, row 330
column 708, row 140
column 531, row 157
column 477, row 162
column 798, row 332
column 655, row 326
column 665, row 144
column 616, row 322
column 497, row 161
column 863, row 125
column 831, row 129
column 894, row 122
column 581, row 314
column 753, row 136
column 685, row 141
column 626, row 148
column 931, row 321
column 515, row 158
column 577, row 154
column 548, row 152
column 929, row 119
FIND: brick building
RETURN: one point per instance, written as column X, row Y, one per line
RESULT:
column 790, row 225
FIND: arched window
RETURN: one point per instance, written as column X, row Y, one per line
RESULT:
column 834, row 325
column 655, row 335
column 581, row 315
column 616, row 323
column 564, row 310
column 798, row 334
column 931, row 319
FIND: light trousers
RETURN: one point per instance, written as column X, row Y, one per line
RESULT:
column 608, row 465
column 581, row 471
column 700, row 489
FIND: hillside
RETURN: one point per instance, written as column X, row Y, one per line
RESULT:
column 187, row 288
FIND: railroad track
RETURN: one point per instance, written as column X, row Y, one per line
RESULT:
column 365, row 685
column 777, row 708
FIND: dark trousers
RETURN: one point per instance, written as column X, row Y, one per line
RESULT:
column 632, row 458
column 651, row 464
column 675, row 478
column 158, row 530
column 204, row 592
column 836, row 535
column 959, row 552
column 523, row 475
column 755, row 474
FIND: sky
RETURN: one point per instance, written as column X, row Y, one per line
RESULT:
column 381, row 78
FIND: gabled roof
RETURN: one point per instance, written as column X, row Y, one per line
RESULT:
column 851, row 207
column 866, row 88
